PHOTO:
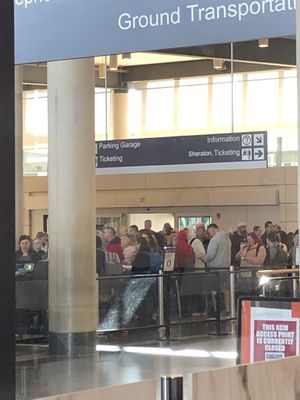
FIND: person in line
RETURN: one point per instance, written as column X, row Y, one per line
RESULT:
column 268, row 228
column 258, row 231
column 219, row 249
column 43, row 236
column 202, row 234
column 198, row 248
column 100, row 257
column 25, row 252
column 123, row 231
column 218, row 257
column 141, row 263
column 113, row 243
column 238, row 240
column 185, row 256
column 148, row 226
column 133, row 230
column 276, row 253
column 166, row 232
column 129, row 246
column 37, row 248
column 253, row 254
column 156, row 253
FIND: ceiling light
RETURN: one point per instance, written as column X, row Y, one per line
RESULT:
column 263, row 43
column 219, row 64
column 113, row 63
column 126, row 56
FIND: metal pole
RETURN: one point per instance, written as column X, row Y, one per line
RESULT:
column 161, row 303
column 232, row 292
column 171, row 388
column 106, row 101
column 232, row 86
column 298, row 96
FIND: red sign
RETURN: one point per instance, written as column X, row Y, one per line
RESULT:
column 274, row 340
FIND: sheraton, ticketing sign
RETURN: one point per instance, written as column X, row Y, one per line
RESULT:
column 183, row 153
column 48, row 30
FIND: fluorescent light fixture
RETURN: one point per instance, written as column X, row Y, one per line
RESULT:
column 126, row 56
column 263, row 43
column 113, row 63
column 218, row 64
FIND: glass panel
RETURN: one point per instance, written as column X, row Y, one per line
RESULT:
column 185, row 222
column 160, row 106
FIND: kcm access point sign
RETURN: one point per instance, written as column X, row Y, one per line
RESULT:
column 268, row 329
column 182, row 153
column 48, row 30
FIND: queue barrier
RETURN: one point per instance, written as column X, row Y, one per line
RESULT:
column 163, row 300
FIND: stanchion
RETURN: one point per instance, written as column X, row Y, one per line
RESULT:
column 167, row 305
column 171, row 388
column 218, row 331
column 232, row 292
column 161, row 304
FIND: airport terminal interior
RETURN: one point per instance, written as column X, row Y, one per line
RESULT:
column 132, row 264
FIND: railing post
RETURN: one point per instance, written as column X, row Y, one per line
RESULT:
column 171, row 388
column 161, row 305
column 232, row 292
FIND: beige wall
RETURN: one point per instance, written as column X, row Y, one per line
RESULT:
column 252, row 196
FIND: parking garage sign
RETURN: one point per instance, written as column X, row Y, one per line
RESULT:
column 183, row 153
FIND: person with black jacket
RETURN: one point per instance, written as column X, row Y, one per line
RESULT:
column 141, row 263
column 25, row 254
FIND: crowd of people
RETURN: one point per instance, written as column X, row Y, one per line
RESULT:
column 197, row 247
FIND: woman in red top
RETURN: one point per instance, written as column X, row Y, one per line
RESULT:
column 185, row 256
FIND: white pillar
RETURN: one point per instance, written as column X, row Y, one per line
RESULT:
column 120, row 115
column 298, row 89
column 19, row 151
column 73, row 303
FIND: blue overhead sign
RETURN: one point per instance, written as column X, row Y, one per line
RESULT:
column 182, row 153
column 48, row 30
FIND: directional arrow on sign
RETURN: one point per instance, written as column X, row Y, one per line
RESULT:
column 259, row 154
column 258, row 139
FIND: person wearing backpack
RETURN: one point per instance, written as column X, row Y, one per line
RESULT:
column 253, row 254
column 276, row 255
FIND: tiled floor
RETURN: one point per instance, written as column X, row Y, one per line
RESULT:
column 41, row 376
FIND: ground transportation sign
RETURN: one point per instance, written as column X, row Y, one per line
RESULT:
column 182, row 153
column 48, row 30
column 268, row 329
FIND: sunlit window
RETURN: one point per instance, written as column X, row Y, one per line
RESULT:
column 134, row 111
column 289, row 96
column 102, row 112
column 160, row 106
column 193, row 103
column 221, row 102
column 35, row 113
column 262, row 97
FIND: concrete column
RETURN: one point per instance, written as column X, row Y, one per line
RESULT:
column 73, row 303
column 19, row 151
column 298, row 95
column 120, row 115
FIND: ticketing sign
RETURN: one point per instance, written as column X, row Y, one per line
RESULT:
column 182, row 153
